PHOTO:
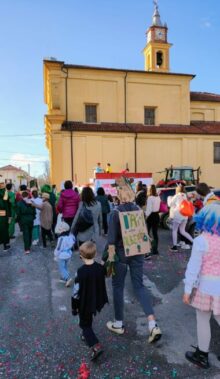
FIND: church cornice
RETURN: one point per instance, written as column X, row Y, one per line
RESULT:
column 195, row 127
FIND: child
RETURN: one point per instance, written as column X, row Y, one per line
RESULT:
column 202, row 279
column 179, row 221
column 46, row 217
column 25, row 217
column 89, row 295
column 63, row 251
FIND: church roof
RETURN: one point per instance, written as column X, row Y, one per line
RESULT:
column 196, row 127
column 204, row 96
column 84, row 67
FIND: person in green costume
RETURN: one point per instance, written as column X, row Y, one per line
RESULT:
column 4, row 217
column 11, row 197
column 25, row 217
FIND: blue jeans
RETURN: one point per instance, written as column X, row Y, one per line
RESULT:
column 63, row 269
column 135, row 264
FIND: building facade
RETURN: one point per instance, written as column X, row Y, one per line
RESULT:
column 14, row 175
column 144, row 120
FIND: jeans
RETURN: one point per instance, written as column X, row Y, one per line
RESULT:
column 181, row 226
column 135, row 264
column 105, row 223
column 85, row 324
column 63, row 269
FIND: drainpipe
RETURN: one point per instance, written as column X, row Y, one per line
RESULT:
column 125, row 91
column 71, row 132
column 135, row 153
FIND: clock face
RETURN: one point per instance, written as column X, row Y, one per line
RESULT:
column 160, row 34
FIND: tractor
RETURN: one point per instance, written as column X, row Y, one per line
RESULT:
column 185, row 175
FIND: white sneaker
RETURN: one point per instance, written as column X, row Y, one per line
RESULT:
column 155, row 334
column 180, row 244
column 62, row 280
column 69, row 282
column 186, row 247
column 110, row 326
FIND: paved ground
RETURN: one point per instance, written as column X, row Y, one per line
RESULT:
column 39, row 338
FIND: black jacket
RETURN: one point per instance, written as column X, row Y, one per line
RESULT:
column 89, row 291
column 141, row 198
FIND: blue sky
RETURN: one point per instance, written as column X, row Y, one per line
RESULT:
column 106, row 33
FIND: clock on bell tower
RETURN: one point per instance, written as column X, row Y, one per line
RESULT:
column 156, row 52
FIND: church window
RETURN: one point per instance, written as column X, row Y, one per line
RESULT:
column 216, row 152
column 159, row 58
column 91, row 113
column 149, row 116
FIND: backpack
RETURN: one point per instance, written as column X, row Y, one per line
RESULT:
column 186, row 208
column 85, row 220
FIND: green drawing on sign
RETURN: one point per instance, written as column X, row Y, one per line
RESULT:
column 126, row 222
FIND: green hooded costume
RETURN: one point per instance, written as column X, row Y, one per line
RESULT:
column 4, row 216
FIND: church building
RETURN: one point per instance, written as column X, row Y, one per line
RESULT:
column 145, row 120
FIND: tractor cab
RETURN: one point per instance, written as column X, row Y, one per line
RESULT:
column 179, row 175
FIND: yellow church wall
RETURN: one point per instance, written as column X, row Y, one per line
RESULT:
column 157, row 152
column 165, row 96
column 105, row 91
column 60, row 158
column 204, row 111
column 154, row 153
column 170, row 94
column 54, row 88
column 117, row 149
column 210, row 170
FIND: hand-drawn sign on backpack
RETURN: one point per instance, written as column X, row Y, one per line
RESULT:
column 134, row 233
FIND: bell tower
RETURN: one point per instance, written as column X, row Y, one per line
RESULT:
column 156, row 52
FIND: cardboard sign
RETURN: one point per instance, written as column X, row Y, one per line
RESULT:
column 134, row 233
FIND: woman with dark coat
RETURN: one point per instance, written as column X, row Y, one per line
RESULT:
column 103, row 199
column 88, row 201
column 141, row 195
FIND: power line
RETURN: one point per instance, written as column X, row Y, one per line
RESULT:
column 21, row 160
column 21, row 135
column 16, row 152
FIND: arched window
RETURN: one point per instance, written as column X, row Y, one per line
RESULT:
column 159, row 58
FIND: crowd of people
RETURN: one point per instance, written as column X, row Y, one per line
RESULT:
column 73, row 222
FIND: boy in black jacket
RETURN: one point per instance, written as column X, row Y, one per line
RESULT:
column 89, row 295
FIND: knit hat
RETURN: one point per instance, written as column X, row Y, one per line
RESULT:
column 208, row 218
column 45, row 195
column 62, row 227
